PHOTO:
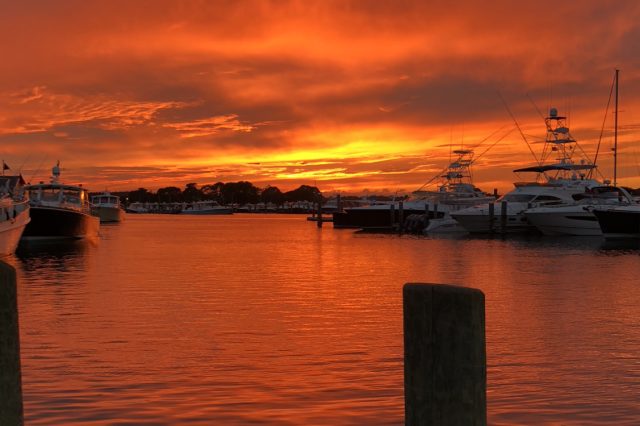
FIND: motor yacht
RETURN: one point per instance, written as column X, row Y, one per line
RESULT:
column 619, row 222
column 205, row 208
column 577, row 218
column 107, row 207
column 59, row 211
column 14, row 213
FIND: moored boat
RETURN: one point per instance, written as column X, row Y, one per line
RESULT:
column 577, row 218
column 59, row 211
column 619, row 222
column 107, row 207
column 205, row 208
column 14, row 213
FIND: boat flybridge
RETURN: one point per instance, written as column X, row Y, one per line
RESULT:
column 555, row 183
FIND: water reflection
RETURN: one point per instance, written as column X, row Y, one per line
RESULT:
column 11, row 412
column 59, row 256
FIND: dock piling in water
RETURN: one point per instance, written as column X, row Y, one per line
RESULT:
column 11, row 409
column 445, row 377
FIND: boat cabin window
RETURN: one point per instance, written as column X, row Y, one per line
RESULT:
column 547, row 198
column 517, row 198
column 72, row 196
column 46, row 194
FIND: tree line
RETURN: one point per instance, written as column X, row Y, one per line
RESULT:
column 240, row 193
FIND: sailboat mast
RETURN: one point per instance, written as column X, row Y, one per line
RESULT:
column 615, row 137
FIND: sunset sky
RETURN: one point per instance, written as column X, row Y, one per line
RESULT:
column 344, row 95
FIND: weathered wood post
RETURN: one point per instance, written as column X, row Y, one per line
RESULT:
column 11, row 411
column 445, row 373
column 400, row 216
column 392, row 213
column 503, row 217
column 319, row 215
column 492, row 214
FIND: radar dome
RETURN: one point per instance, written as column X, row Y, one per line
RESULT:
column 553, row 112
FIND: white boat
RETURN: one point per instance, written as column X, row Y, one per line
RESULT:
column 137, row 207
column 556, row 183
column 107, row 207
column 205, row 208
column 577, row 218
column 14, row 213
column 59, row 211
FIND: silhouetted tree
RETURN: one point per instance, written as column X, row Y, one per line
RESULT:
column 191, row 193
column 271, row 194
column 304, row 193
column 240, row 193
column 170, row 194
column 141, row 195
column 213, row 192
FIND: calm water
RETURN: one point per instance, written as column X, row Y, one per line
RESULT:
column 267, row 320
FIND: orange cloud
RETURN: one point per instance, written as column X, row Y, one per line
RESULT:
column 355, row 95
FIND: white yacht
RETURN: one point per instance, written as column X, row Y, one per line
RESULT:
column 577, row 218
column 14, row 213
column 107, row 207
column 556, row 184
column 205, row 208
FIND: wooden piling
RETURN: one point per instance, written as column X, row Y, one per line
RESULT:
column 319, row 215
column 445, row 377
column 392, row 219
column 400, row 216
column 11, row 410
column 503, row 217
column 492, row 213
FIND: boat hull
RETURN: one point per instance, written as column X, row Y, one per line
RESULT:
column 484, row 223
column 11, row 231
column 578, row 223
column 372, row 219
column 619, row 223
column 56, row 223
column 221, row 210
column 109, row 214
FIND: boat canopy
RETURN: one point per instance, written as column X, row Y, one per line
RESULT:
column 549, row 167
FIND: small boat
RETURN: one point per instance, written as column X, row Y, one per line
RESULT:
column 137, row 208
column 107, row 207
column 205, row 208
column 14, row 213
column 59, row 211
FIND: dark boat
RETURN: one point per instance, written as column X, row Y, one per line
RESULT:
column 619, row 222
column 60, row 211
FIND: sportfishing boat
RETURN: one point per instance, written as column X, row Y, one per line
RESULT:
column 14, row 213
column 577, row 218
column 59, row 211
column 454, row 191
column 619, row 222
column 205, row 208
column 107, row 207
column 555, row 184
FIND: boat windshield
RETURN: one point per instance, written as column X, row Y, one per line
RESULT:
column 517, row 198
